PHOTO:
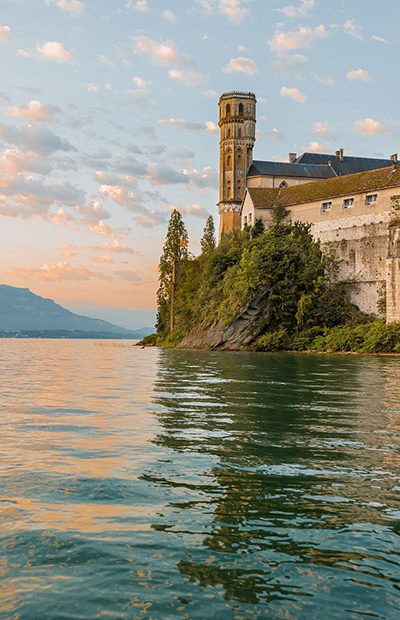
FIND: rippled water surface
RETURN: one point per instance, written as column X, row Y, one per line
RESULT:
column 167, row 484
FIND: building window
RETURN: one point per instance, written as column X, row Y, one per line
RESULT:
column 326, row 206
column 239, row 156
column 371, row 198
column 245, row 220
column 239, row 133
column 228, row 109
column 240, row 109
column 347, row 202
column 250, row 218
column 228, row 133
column 283, row 184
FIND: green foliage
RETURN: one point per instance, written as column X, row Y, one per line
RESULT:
column 208, row 242
column 273, row 341
column 258, row 228
column 306, row 309
column 175, row 253
column 279, row 213
column 148, row 341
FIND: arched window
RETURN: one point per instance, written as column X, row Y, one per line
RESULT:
column 228, row 133
column 228, row 158
column 240, row 157
column 239, row 132
column 228, row 109
column 240, row 109
column 239, row 187
column 228, row 190
column 283, row 184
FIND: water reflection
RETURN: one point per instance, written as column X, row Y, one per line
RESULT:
column 168, row 484
column 303, row 470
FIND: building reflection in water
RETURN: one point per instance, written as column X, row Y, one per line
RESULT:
column 296, row 466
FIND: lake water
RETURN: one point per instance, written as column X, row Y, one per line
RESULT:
column 168, row 485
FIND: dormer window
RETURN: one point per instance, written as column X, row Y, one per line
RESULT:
column 371, row 198
column 326, row 206
column 347, row 202
column 283, row 184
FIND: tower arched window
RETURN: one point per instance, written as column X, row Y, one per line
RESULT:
column 228, row 158
column 240, row 109
column 240, row 157
column 228, row 190
column 228, row 133
column 239, row 132
column 239, row 187
column 228, row 109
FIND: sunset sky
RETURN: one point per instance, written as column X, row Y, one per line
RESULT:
column 108, row 112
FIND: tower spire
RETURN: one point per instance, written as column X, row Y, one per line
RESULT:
column 237, row 120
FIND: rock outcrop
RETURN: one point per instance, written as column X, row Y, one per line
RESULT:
column 240, row 332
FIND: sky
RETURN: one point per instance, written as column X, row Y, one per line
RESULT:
column 108, row 121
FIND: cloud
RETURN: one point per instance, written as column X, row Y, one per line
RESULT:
column 188, row 78
column 322, row 129
column 62, row 270
column 52, row 50
column 351, row 27
column 211, row 94
column 359, row 74
column 128, row 276
column 169, row 16
column 139, row 5
column 33, row 138
column 327, row 79
column 290, row 63
column 116, row 246
column 294, row 93
column 165, row 175
column 5, row 34
column 375, row 37
column 301, row 10
column 160, row 53
column 32, row 111
column 208, row 126
column 207, row 178
column 107, row 61
column 317, row 147
column 241, row 65
column 73, row 7
column 283, row 42
column 105, row 260
column 195, row 210
column 369, row 126
column 15, row 161
column 275, row 133
column 233, row 10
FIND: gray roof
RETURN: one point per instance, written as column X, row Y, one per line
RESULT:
column 285, row 169
column 349, row 165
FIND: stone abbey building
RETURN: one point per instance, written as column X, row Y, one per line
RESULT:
column 351, row 203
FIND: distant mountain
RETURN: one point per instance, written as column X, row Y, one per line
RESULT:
column 23, row 313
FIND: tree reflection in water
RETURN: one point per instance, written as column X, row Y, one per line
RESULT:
column 290, row 471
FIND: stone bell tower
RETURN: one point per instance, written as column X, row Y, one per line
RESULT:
column 237, row 123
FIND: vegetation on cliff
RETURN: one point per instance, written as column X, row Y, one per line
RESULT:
column 303, row 306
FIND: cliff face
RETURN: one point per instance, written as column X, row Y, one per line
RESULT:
column 240, row 332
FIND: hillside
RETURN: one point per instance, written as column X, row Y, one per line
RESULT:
column 24, row 313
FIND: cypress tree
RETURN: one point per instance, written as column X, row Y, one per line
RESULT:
column 175, row 251
column 208, row 242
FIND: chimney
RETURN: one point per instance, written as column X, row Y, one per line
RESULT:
column 394, row 158
column 292, row 157
column 339, row 154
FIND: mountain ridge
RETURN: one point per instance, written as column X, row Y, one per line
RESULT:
column 23, row 312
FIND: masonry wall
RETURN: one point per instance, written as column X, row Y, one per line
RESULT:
column 366, row 239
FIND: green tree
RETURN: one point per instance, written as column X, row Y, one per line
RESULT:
column 258, row 228
column 175, row 252
column 208, row 242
